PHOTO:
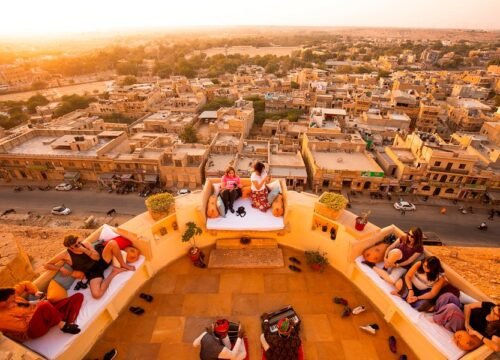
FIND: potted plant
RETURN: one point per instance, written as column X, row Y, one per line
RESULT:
column 316, row 260
column 160, row 205
column 362, row 220
column 192, row 230
column 330, row 205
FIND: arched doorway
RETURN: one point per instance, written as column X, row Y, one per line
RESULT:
column 367, row 185
column 436, row 191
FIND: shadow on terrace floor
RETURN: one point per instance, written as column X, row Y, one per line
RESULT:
column 187, row 299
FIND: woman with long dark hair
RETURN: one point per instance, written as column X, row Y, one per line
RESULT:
column 259, row 179
column 422, row 283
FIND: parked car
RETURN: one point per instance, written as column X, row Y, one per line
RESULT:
column 404, row 205
column 61, row 210
column 183, row 191
column 64, row 187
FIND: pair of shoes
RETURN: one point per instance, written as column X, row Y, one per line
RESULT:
column 358, row 310
column 370, row 328
column 294, row 260
column 110, row 355
column 70, row 329
column 136, row 310
column 392, row 344
column 347, row 311
column 403, row 357
column 294, row 268
column 339, row 300
column 146, row 297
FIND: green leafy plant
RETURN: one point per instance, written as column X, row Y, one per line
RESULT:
column 160, row 202
column 316, row 258
column 192, row 230
column 333, row 201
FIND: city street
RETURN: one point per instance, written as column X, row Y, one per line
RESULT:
column 453, row 228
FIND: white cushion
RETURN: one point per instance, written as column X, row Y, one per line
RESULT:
column 217, row 187
column 274, row 184
column 53, row 344
column 255, row 219
column 107, row 233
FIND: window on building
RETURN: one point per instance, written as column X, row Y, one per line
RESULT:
column 437, row 163
column 449, row 191
column 426, row 188
column 71, row 163
column 452, row 178
column 435, row 177
column 410, row 177
column 326, row 183
column 461, row 166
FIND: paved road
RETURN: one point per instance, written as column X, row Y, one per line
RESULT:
column 80, row 202
column 453, row 228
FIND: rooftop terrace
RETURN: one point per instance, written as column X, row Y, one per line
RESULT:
column 345, row 161
column 187, row 299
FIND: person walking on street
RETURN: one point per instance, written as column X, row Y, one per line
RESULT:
column 403, row 212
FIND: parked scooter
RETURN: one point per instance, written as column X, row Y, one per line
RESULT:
column 29, row 188
column 483, row 226
column 18, row 188
column 462, row 209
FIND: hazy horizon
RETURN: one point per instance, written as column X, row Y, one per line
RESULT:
column 58, row 18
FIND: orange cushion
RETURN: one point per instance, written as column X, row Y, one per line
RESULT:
column 56, row 292
column 246, row 191
column 212, row 211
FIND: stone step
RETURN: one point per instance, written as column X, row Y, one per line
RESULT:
column 246, row 258
column 254, row 244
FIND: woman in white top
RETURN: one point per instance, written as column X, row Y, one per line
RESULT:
column 422, row 283
column 259, row 179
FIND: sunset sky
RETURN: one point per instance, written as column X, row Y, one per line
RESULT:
column 31, row 17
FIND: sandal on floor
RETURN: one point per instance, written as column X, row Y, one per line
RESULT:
column 294, row 268
column 294, row 260
column 339, row 300
column 392, row 344
column 146, row 297
column 136, row 310
column 358, row 310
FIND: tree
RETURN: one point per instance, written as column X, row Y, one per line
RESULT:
column 71, row 103
column 217, row 103
column 117, row 118
column 189, row 135
column 36, row 100
column 129, row 80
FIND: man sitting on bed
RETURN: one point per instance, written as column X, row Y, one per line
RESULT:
column 92, row 261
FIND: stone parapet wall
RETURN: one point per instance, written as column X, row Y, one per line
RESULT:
column 15, row 265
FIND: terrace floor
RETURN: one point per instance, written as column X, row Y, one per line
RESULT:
column 187, row 299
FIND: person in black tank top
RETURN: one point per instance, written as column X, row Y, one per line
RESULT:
column 92, row 261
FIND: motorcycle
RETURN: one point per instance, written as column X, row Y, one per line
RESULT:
column 18, row 188
column 462, row 210
column 29, row 188
column 483, row 226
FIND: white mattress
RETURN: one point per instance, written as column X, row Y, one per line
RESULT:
column 55, row 342
column 437, row 335
column 254, row 220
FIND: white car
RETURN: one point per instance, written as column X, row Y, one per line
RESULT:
column 183, row 191
column 61, row 210
column 404, row 205
column 64, row 187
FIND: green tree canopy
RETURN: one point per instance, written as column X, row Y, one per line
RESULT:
column 217, row 103
column 36, row 100
column 71, row 103
column 189, row 135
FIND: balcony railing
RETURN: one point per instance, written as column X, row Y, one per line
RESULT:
column 453, row 171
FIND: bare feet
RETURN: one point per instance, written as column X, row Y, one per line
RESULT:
column 116, row 271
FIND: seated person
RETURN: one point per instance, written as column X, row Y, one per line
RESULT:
column 92, row 261
column 284, row 344
column 422, row 283
column 21, row 320
column 411, row 247
column 230, row 188
column 215, row 344
column 259, row 179
column 481, row 321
